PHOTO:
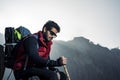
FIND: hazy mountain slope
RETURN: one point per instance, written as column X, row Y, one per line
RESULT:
column 87, row 61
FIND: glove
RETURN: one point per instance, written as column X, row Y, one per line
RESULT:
column 52, row 63
column 54, row 69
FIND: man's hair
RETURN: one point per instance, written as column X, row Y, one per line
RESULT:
column 51, row 24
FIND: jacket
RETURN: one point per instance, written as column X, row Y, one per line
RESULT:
column 43, row 50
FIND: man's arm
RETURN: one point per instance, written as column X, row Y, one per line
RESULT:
column 30, row 45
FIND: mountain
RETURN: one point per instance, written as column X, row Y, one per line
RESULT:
column 87, row 61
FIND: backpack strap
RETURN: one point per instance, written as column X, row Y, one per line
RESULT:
column 17, row 34
column 26, row 60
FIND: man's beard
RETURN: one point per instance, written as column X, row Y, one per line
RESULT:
column 45, row 36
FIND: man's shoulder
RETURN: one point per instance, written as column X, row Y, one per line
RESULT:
column 30, row 38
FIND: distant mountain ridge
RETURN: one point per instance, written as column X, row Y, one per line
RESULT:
column 87, row 61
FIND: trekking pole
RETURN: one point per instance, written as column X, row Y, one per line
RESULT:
column 66, row 71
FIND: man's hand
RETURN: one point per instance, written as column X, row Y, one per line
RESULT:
column 59, row 62
column 63, row 60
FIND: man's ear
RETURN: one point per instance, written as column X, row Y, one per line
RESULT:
column 44, row 30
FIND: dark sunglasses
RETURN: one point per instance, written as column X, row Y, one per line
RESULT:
column 53, row 34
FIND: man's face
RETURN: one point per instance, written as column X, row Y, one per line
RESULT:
column 50, row 34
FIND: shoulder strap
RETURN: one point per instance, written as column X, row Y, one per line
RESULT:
column 26, row 60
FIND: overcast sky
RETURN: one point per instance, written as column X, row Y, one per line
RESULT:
column 97, row 20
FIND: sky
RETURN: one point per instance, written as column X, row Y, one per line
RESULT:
column 96, row 20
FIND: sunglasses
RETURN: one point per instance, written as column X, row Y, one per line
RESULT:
column 52, row 34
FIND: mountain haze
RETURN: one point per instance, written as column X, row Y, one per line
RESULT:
column 87, row 61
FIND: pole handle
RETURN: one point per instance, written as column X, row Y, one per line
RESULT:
column 66, row 71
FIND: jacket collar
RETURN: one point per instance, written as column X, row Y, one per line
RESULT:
column 41, row 38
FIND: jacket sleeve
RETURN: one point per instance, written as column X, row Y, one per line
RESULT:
column 31, row 49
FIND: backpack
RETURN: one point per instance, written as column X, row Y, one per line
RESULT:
column 13, row 37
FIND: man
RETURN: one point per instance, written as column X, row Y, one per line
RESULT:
column 32, row 55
